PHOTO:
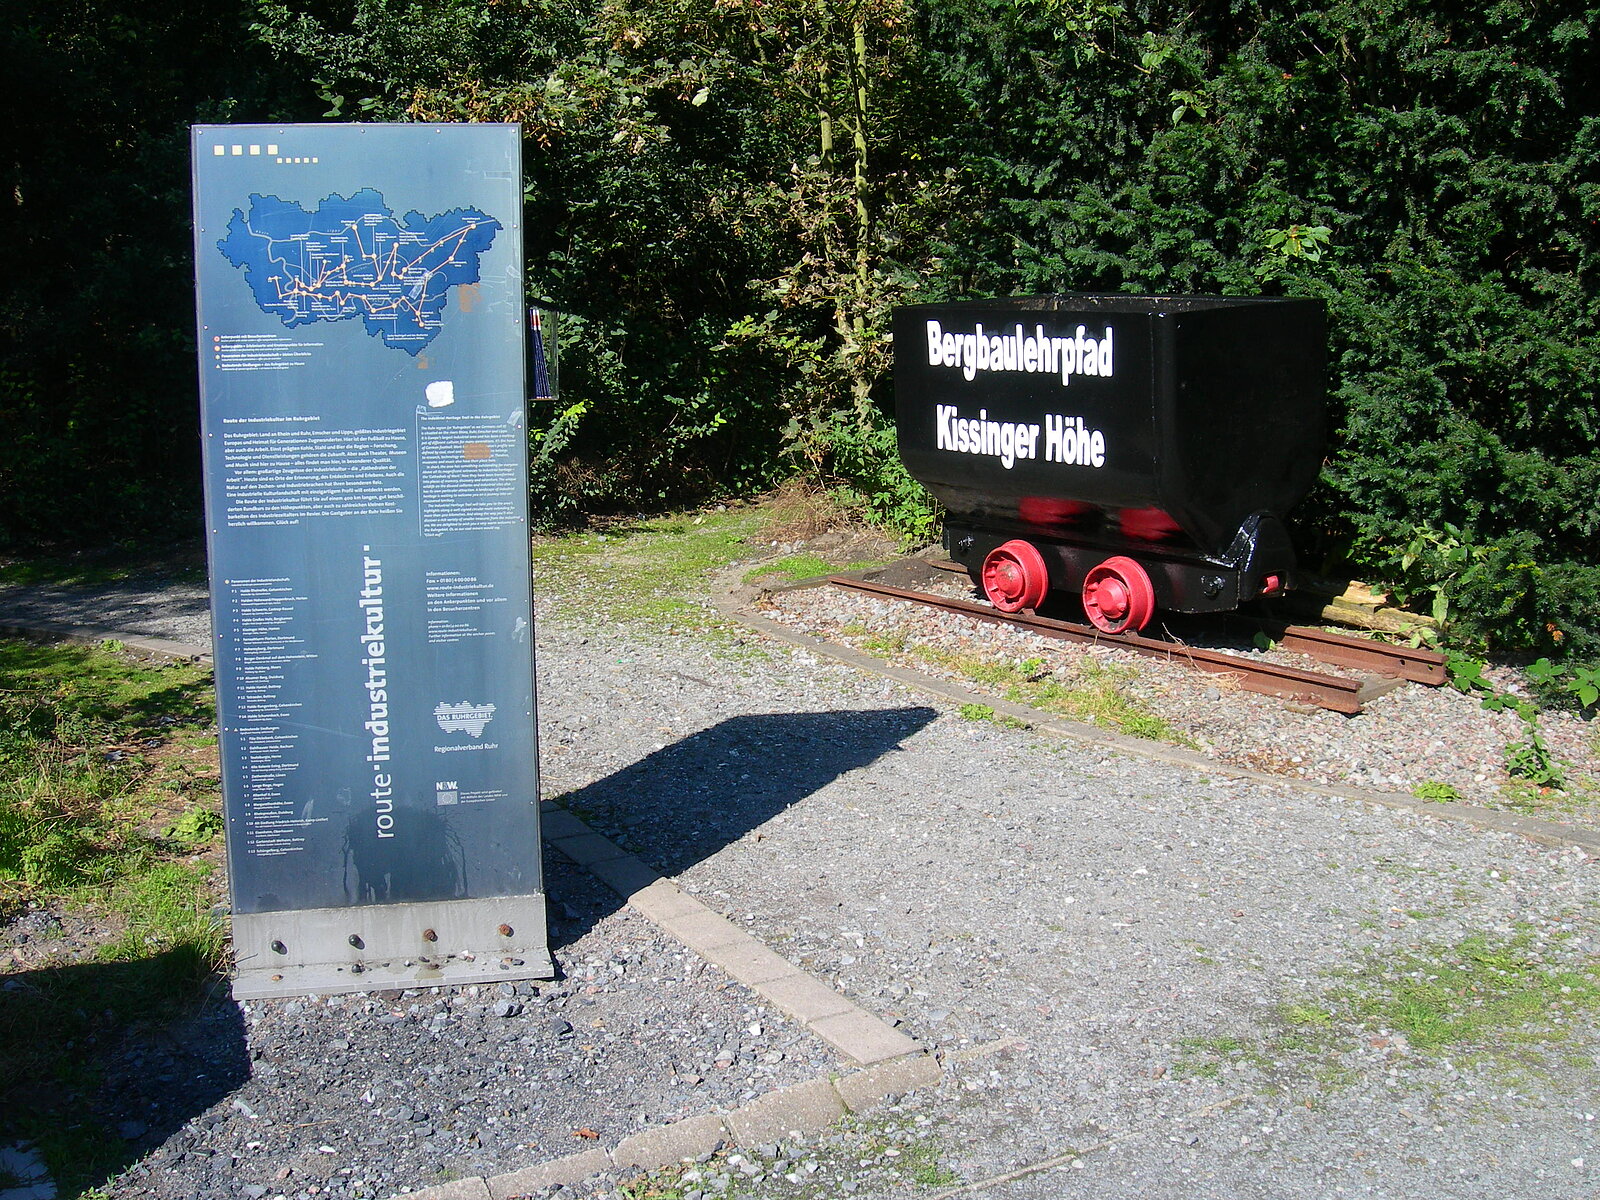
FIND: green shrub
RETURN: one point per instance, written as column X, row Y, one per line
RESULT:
column 725, row 230
column 864, row 460
column 1443, row 157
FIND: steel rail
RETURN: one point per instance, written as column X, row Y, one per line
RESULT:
column 1416, row 665
column 1327, row 691
column 1344, row 650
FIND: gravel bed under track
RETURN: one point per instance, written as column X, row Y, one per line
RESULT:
column 1405, row 738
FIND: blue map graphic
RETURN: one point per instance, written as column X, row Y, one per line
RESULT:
column 352, row 258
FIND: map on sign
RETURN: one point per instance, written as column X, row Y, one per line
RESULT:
column 353, row 258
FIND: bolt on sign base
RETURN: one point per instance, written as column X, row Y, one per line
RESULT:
column 375, row 947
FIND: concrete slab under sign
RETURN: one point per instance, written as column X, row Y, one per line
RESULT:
column 365, row 948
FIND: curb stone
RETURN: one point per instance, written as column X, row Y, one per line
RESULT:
column 137, row 644
column 889, row 1062
column 804, row 1108
column 862, row 1038
column 733, row 598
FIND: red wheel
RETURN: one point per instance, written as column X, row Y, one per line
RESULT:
column 1118, row 597
column 1014, row 577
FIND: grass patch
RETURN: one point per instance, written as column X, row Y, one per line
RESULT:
column 109, row 813
column 804, row 566
column 1089, row 691
column 1205, row 1057
column 885, row 645
column 1094, row 692
column 84, row 764
column 986, row 712
column 647, row 570
column 921, row 1163
column 1579, row 797
column 1499, row 1002
column 1307, row 1015
column 638, row 572
column 1477, row 994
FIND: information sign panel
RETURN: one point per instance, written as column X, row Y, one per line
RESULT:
column 361, row 336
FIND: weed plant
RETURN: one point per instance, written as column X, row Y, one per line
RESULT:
column 638, row 571
column 1503, row 1002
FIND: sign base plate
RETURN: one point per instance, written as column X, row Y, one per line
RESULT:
column 369, row 948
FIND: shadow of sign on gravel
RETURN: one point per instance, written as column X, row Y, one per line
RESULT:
column 94, row 1073
column 686, row 801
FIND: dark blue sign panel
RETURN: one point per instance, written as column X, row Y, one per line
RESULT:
column 361, row 328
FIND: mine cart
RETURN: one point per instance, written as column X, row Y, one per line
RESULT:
column 1140, row 451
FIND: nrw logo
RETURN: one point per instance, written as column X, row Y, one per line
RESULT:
column 447, row 792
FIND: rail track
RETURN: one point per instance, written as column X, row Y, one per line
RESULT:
column 1382, row 667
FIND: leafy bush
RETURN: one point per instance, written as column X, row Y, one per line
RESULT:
column 863, row 458
column 726, row 197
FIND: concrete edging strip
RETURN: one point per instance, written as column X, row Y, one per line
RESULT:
column 889, row 1062
column 138, row 644
column 802, row 1108
column 862, row 1038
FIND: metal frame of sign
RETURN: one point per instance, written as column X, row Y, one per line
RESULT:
column 361, row 330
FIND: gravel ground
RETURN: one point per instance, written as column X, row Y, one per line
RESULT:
column 1104, row 946
column 170, row 604
column 1143, row 978
column 413, row 1087
column 367, row 1094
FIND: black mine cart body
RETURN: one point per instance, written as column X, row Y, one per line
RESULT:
column 1140, row 451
